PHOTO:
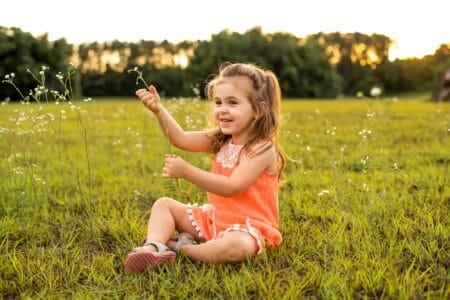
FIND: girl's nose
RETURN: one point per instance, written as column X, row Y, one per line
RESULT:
column 222, row 109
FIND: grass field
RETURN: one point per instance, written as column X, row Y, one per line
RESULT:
column 364, row 210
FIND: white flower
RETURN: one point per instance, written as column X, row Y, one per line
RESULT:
column 321, row 193
column 370, row 113
column 365, row 133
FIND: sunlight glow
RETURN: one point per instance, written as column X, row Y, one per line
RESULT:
column 412, row 49
column 419, row 27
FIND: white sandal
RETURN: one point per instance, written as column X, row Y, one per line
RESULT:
column 183, row 239
column 140, row 258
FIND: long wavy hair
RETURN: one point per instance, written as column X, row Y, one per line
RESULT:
column 265, row 99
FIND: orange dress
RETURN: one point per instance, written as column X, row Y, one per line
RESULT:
column 254, row 210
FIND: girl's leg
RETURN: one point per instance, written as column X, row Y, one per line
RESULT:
column 167, row 215
column 234, row 246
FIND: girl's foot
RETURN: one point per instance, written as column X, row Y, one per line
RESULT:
column 142, row 258
column 180, row 240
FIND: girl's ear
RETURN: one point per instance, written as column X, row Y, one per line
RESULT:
column 263, row 107
column 257, row 114
column 260, row 111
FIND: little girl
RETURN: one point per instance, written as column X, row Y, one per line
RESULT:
column 242, row 214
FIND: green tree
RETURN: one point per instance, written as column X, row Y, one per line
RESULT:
column 303, row 70
column 356, row 56
column 20, row 52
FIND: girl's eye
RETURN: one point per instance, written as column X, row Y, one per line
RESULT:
column 218, row 102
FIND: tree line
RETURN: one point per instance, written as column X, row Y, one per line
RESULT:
column 322, row 65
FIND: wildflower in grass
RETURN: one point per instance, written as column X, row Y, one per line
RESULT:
column 370, row 114
column 18, row 170
column 323, row 192
column 365, row 187
column 331, row 131
column 40, row 89
column 137, row 194
column 72, row 106
column 38, row 179
column 365, row 159
column 9, row 78
column 66, row 94
column 365, row 133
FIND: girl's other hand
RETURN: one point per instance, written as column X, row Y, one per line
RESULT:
column 150, row 98
column 174, row 166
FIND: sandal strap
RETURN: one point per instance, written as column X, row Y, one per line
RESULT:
column 182, row 240
column 159, row 247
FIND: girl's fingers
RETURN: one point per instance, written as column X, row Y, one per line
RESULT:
column 140, row 91
column 153, row 90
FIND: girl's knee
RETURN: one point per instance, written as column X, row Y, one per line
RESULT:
column 239, row 246
column 175, row 208
column 163, row 202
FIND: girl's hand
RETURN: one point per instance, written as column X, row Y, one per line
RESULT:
column 174, row 167
column 150, row 98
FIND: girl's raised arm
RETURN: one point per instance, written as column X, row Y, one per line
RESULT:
column 194, row 141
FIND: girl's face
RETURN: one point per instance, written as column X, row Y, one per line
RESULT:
column 233, row 110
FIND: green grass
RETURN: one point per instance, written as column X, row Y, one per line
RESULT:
column 364, row 209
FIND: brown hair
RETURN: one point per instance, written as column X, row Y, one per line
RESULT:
column 265, row 99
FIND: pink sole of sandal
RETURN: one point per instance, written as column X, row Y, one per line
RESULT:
column 139, row 261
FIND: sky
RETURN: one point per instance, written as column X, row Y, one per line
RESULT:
column 418, row 27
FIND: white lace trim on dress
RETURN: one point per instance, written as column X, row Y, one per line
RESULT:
column 228, row 155
column 191, row 218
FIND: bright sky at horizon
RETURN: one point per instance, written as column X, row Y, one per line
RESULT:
column 417, row 26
